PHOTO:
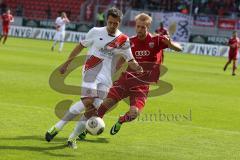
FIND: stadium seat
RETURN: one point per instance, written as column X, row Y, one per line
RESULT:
column 38, row 9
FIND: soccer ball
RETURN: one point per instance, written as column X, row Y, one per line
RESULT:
column 95, row 125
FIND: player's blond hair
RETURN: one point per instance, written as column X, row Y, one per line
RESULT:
column 145, row 18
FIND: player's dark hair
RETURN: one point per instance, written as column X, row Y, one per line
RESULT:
column 115, row 13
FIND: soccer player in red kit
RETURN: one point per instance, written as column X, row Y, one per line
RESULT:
column 233, row 43
column 146, row 49
column 161, row 30
column 6, row 18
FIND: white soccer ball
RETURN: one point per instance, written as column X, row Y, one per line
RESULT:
column 95, row 125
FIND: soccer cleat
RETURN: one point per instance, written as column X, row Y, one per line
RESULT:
column 52, row 48
column 71, row 143
column 224, row 69
column 51, row 133
column 82, row 136
column 115, row 128
column 233, row 74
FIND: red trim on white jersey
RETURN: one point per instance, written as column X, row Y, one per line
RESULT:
column 92, row 62
column 118, row 41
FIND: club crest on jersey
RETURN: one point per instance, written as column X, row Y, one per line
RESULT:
column 151, row 44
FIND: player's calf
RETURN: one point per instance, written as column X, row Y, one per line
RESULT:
column 131, row 115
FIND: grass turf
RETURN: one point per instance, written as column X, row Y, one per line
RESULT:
column 206, row 96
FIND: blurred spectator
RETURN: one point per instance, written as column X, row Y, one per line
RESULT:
column 49, row 12
column 100, row 19
column 212, row 7
column 217, row 7
column 19, row 10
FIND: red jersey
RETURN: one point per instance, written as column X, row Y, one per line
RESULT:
column 147, row 53
column 162, row 31
column 233, row 41
column 6, row 19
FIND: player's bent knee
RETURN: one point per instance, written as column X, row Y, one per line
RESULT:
column 109, row 102
column 87, row 101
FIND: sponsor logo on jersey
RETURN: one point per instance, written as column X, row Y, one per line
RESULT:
column 142, row 53
column 151, row 44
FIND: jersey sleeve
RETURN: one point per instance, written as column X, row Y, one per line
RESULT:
column 88, row 41
column 161, row 44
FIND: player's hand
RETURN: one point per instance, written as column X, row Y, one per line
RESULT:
column 64, row 68
column 139, row 69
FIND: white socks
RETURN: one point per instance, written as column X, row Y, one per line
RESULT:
column 74, row 111
column 79, row 128
column 60, row 47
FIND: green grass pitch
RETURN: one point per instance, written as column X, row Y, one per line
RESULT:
column 201, row 90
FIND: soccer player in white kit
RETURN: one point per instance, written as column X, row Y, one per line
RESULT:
column 60, row 25
column 105, row 45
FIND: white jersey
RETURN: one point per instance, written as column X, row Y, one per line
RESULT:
column 61, row 23
column 102, row 54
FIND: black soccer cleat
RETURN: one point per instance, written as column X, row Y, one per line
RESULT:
column 51, row 133
column 82, row 136
column 115, row 128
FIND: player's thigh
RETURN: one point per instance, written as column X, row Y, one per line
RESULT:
column 62, row 37
column 5, row 30
column 57, row 36
column 102, row 91
column 138, row 97
column 118, row 91
column 88, row 90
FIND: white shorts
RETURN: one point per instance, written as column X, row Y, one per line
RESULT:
column 59, row 36
column 97, row 90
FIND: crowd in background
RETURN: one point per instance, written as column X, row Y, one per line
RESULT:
column 208, row 7
column 217, row 7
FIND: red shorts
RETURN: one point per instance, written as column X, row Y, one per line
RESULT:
column 136, row 92
column 5, row 30
column 232, row 55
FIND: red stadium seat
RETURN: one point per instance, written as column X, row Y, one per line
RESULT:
column 38, row 9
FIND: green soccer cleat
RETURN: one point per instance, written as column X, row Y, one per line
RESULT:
column 82, row 136
column 71, row 143
column 115, row 128
column 51, row 133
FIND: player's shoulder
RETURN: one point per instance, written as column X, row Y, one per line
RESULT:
column 133, row 38
column 97, row 29
column 154, row 36
column 58, row 18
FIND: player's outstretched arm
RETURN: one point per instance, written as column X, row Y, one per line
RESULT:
column 12, row 20
column 73, row 54
column 172, row 45
column 120, row 62
column 135, row 66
